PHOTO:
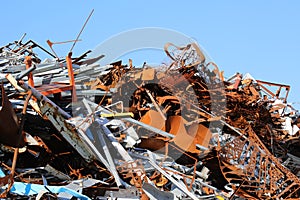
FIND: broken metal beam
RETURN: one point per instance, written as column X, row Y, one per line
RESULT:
column 21, row 86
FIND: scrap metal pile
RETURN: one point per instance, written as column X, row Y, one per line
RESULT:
column 71, row 128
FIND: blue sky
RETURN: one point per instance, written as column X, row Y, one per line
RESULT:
column 259, row 37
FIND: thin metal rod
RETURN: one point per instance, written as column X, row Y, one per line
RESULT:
column 63, row 42
column 20, row 40
column 20, row 131
column 14, row 163
column 156, row 105
column 81, row 30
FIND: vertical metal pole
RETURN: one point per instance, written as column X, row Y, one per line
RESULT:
column 14, row 163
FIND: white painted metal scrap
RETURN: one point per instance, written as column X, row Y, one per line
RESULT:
column 67, row 131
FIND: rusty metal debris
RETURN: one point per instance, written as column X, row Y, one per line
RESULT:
column 177, row 131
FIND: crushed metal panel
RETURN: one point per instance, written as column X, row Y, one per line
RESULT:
column 29, row 189
column 67, row 131
column 78, row 185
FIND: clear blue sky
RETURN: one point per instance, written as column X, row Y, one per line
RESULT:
column 261, row 37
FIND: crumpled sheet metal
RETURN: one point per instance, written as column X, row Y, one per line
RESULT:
column 28, row 189
column 51, row 112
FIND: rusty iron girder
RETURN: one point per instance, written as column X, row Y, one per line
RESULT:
column 263, row 85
